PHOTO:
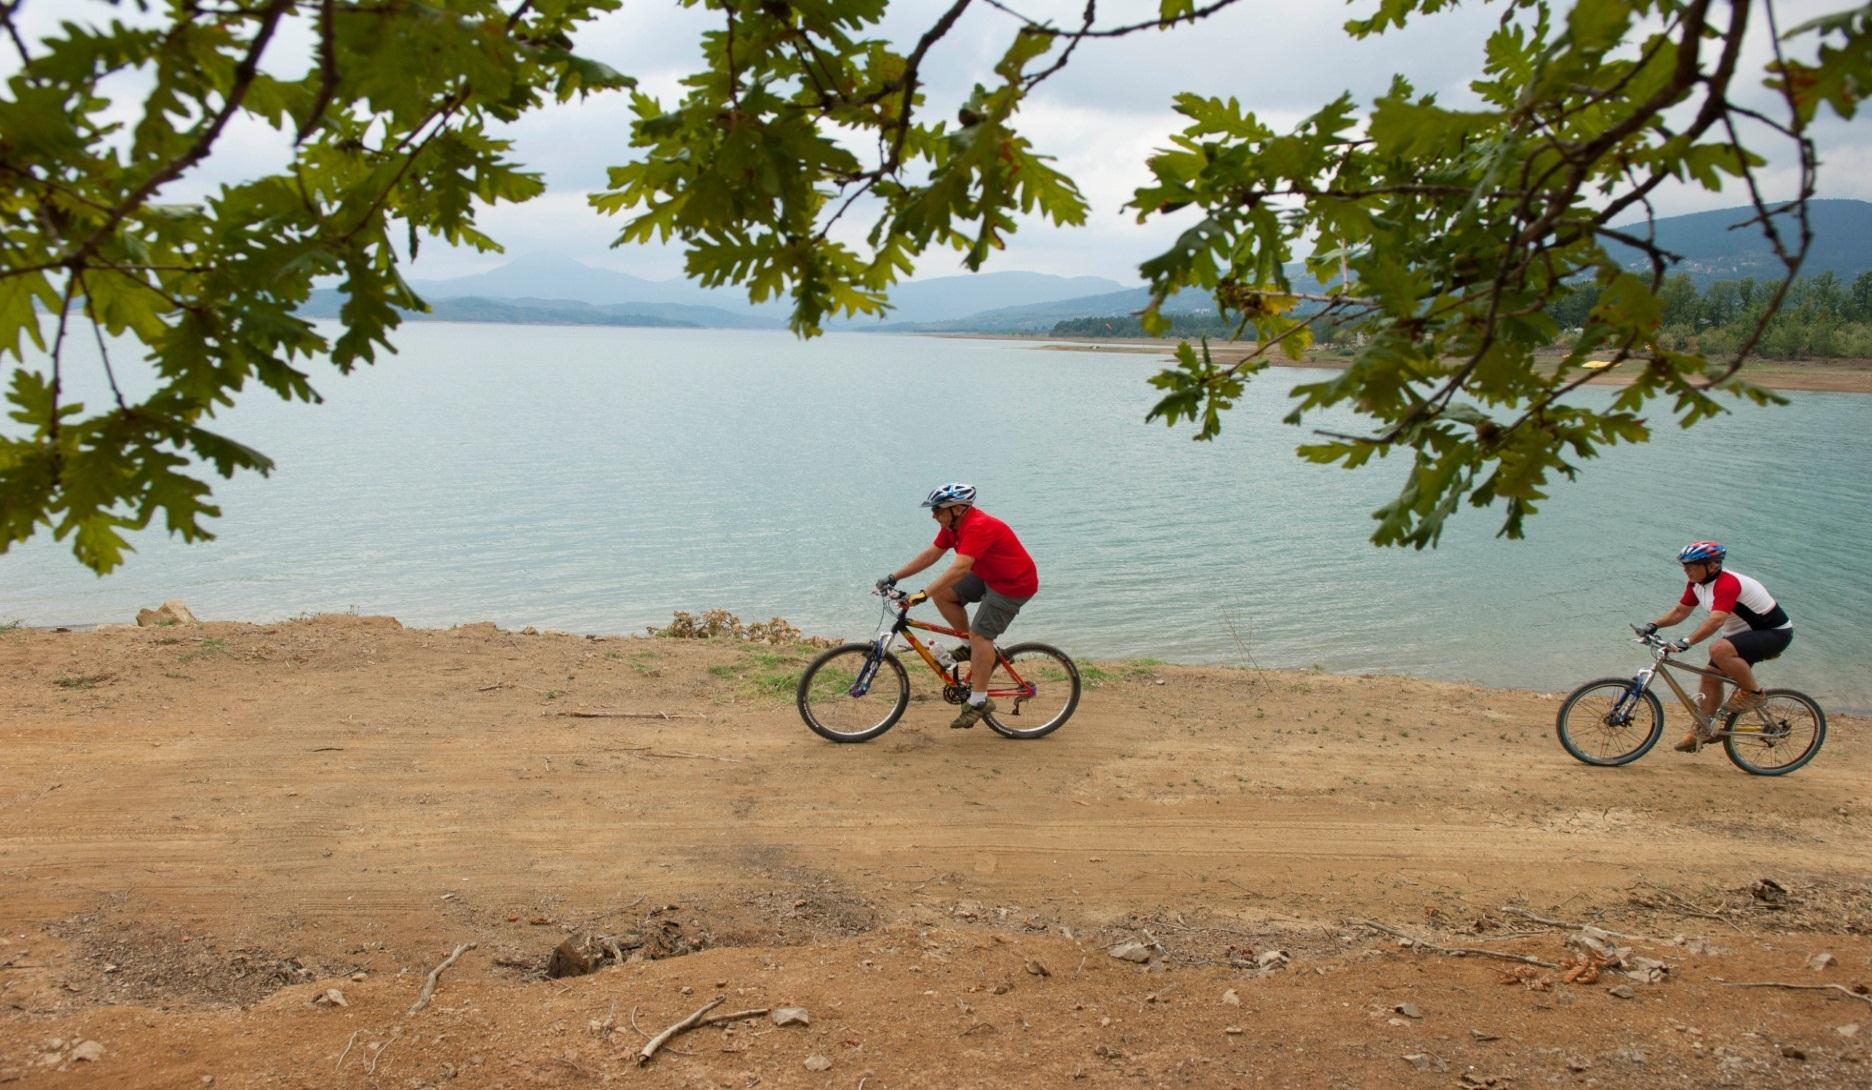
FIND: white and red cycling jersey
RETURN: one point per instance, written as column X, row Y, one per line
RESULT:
column 1748, row 603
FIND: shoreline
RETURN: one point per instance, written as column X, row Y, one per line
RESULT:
column 806, row 639
column 1841, row 376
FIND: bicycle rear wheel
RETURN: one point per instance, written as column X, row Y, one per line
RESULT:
column 1776, row 738
column 846, row 695
column 1048, row 698
column 1609, row 722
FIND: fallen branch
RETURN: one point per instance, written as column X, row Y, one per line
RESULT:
column 719, row 1019
column 378, row 1055
column 1861, row 997
column 1460, row 951
column 690, row 1022
column 1677, row 904
column 645, row 751
column 435, row 974
column 1526, row 915
column 491, row 688
column 626, row 715
column 347, row 1050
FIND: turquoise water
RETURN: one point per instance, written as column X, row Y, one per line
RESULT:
column 595, row 480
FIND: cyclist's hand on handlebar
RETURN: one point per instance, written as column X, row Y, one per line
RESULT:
column 1679, row 646
column 886, row 583
column 1649, row 628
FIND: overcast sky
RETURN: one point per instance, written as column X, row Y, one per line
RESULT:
column 1100, row 117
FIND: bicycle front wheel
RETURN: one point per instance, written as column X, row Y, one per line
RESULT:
column 1039, row 697
column 1776, row 738
column 1610, row 722
column 848, row 695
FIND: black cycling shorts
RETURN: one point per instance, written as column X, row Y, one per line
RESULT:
column 1761, row 644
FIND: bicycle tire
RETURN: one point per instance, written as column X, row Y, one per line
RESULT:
column 1066, row 673
column 822, row 698
column 1738, row 747
column 1613, row 689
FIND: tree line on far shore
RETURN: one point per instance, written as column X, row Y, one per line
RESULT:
column 1823, row 317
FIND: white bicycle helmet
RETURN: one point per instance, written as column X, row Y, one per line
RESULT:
column 950, row 495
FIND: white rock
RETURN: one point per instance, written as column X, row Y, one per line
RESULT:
column 1408, row 1010
column 1271, row 959
column 88, row 1052
column 1231, row 998
column 818, row 1063
column 1850, row 1029
column 1131, row 951
column 790, row 1016
column 1820, row 961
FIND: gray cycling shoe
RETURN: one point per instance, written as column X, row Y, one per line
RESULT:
column 971, row 714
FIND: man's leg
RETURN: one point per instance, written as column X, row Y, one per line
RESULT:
column 1725, row 657
column 981, row 664
column 950, row 606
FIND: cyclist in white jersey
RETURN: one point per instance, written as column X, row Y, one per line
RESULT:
column 1750, row 625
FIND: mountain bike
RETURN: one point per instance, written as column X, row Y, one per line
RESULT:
column 857, row 691
column 1615, row 721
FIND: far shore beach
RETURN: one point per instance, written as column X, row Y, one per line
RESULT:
column 1846, row 376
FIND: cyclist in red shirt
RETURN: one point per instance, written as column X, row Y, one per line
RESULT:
column 991, row 567
column 1749, row 624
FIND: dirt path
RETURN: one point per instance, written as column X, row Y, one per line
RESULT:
column 206, row 828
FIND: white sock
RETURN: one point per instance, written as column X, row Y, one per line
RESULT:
column 976, row 699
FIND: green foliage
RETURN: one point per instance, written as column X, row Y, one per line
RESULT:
column 1445, row 237
column 749, row 169
column 390, row 121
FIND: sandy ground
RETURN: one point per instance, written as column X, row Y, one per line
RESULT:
column 1851, row 376
column 204, row 830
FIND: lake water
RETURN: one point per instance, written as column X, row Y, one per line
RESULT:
column 595, row 480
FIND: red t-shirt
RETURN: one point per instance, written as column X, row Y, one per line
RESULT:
column 999, row 558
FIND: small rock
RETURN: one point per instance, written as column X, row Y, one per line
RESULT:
column 790, row 1016
column 1003, row 988
column 1408, row 1010
column 1850, row 1029
column 88, row 1052
column 1789, row 1051
column 1820, row 961
column 1232, row 1031
column 1418, row 1060
column 1231, row 998
column 172, row 612
column 1135, row 952
column 1480, row 1036
column 818, row 1063
column 1038, row 969
column 330, row 997
column 357, row 978
column 1269, row 960
column 1621, row 991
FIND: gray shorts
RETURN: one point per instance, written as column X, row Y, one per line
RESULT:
column 996, row 610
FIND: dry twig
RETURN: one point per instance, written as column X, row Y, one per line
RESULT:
column 347, row 1049
column 1460, row 951
column 435, row 974
column 1860, row 996
column 626, row 715
column 690, row 1022
column 1564, row 925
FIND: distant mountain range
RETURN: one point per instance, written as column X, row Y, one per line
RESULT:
column 557, row 290
column 1725, row 245
column 940, row 299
